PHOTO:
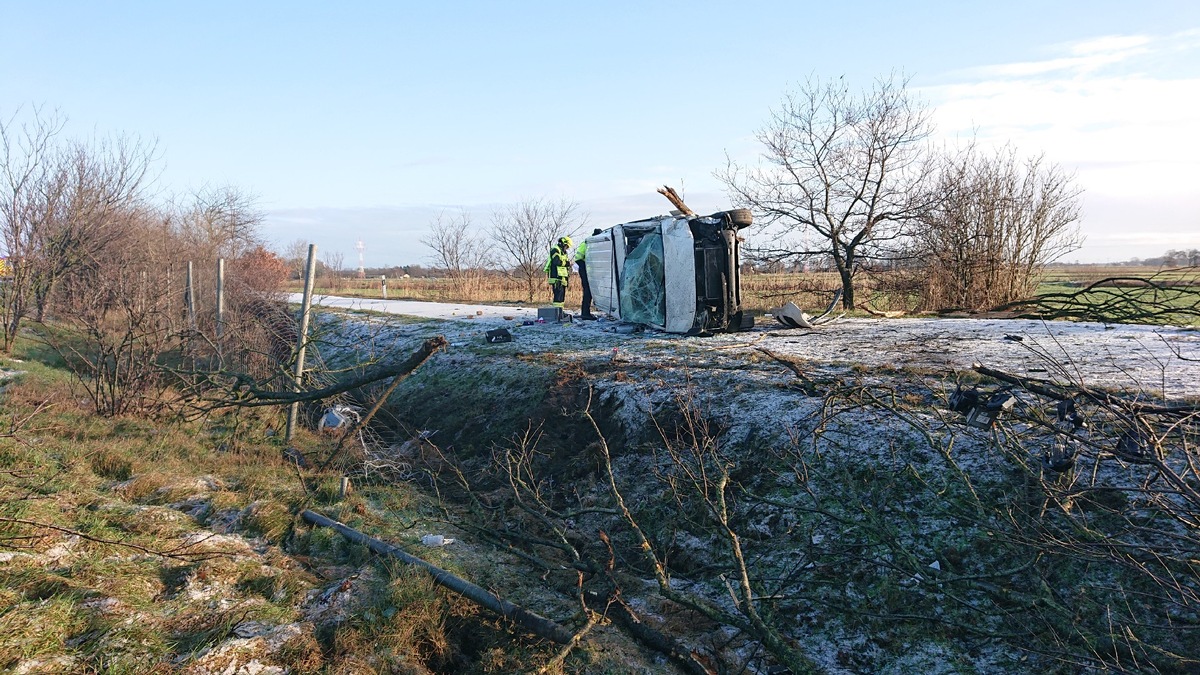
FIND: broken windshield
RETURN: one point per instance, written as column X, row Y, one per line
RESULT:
column 643, row 291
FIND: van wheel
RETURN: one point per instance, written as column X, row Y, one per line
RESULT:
column 739, row 217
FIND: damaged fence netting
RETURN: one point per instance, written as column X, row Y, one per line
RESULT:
column 643, row 283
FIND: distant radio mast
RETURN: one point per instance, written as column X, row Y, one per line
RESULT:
column 362, row 272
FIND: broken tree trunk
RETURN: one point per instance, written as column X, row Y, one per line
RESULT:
column 245, row 392
column 669, row 192
column 538, row 625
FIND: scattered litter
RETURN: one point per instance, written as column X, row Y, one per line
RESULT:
column 936, row 566
column 412, row 447
column 981, row 410
column 435, row 540
column 550, row 315
column 1135, row 442
column 791, row 316
column 336, row 418
column 498, row 335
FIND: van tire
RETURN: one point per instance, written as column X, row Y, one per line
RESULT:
column 739, row 217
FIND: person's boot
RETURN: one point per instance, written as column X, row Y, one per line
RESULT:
column 588, row 317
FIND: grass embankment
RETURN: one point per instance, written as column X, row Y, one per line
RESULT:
column 128, row 545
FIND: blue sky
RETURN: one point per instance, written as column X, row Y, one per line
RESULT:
column 363, row 120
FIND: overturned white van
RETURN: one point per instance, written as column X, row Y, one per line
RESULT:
column 672, row 273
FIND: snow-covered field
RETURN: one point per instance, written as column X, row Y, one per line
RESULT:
column 1160, row 360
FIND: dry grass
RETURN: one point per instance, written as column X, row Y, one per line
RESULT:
column 84, row 502
column 760, row 292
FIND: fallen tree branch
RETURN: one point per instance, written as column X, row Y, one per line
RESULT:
column 809, row 386
column 554, row 665
column 248, row 395
column 884, row 315
column 1120, row 299
column 1056, row 392
column 410, row 364
column 538, row 625
column 657, row 640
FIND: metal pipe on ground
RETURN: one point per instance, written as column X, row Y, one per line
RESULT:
column 536, row 624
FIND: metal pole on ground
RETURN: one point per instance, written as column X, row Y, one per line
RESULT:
column 310, row 271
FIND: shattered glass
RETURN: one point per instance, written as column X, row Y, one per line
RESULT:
column 643, row 283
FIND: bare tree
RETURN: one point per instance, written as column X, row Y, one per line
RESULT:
column 296, row 256
column 92, row 195
column 999, row 221
column 26, row 164
column 64, row 205
column 119, row 320
column 334, row 262
column 524, row 233
column 220, row 222
column 841, row 174
column 457, row 249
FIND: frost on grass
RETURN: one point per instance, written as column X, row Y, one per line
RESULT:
column 861, row 497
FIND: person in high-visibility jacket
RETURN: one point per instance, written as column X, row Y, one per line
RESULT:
column 558, row 269
column 585, row 309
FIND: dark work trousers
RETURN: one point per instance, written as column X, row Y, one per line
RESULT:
column 559, row 293
column 585, row 309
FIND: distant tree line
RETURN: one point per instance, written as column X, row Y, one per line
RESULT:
column 1172, row 258
column 516, row 245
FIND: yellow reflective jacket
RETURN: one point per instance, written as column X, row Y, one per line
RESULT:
column 557, row 267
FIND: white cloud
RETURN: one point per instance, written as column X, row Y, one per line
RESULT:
column 1110, row 44
column 1121, row 111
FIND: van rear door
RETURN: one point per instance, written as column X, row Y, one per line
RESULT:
column 601, row 261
